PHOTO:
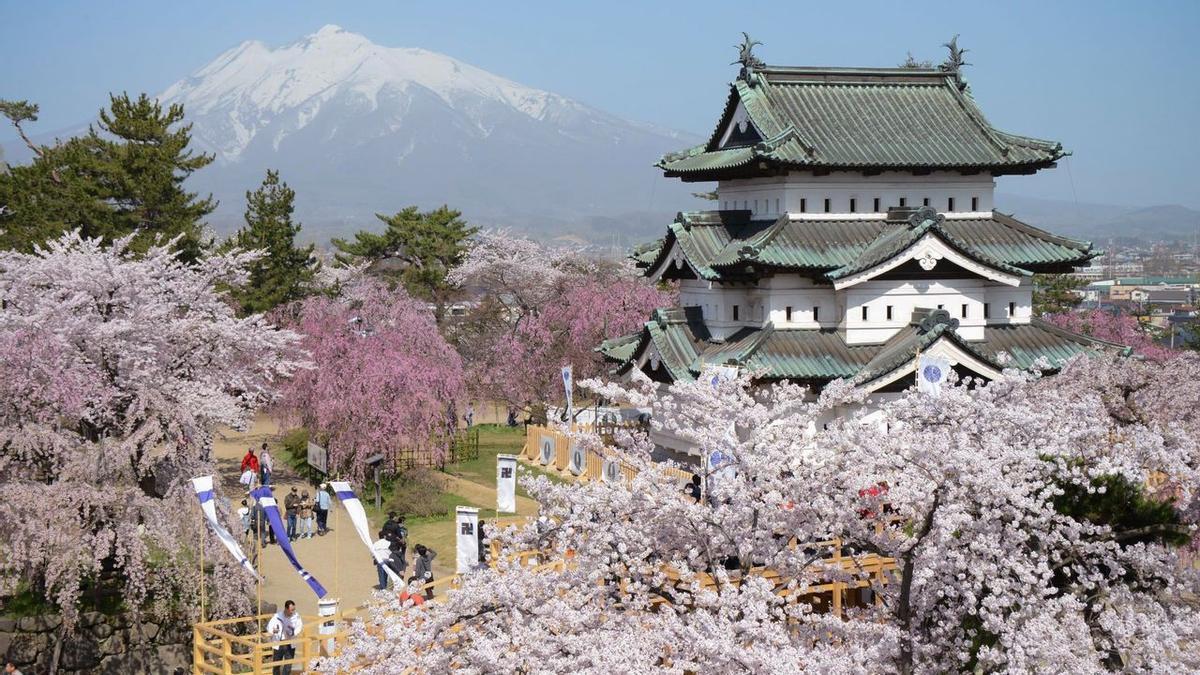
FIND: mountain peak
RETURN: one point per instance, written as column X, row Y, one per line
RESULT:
column 329, row 29
column 252, row 86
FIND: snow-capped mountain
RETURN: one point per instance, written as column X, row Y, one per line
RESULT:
column 359, row 128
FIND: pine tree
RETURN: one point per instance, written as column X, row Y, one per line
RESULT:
column 418, row 249
column 125, row 176
column 1056, row 293
column 285, row 271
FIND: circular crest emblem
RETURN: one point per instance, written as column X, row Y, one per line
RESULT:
column 612, row 470
column 932, row 373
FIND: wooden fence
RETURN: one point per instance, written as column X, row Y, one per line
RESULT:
column 550, row 448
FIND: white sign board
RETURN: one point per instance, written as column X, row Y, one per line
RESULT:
column 466, row 532
column 546, row 449
column 506, row 483
column 318, row 457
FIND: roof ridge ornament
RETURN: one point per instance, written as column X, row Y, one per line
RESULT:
column 955, row 61
column 746, row 57
column 923, row 214
column 938, row 317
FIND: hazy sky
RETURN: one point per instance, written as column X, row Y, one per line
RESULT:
column 1117, row 83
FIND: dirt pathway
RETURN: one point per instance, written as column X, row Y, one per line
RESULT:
column 339, row 560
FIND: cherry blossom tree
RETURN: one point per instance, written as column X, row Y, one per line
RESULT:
column 1117, row 327
column 385, row 381
column 114, row 369
column 1019, row 513
column 543, row 308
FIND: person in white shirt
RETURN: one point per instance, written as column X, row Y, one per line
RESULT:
column 285, row 625
column 382, row 548
column 266, row 464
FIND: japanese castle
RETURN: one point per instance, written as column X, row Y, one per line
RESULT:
column 855, row 231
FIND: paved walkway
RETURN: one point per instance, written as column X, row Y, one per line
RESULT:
column 339, row 560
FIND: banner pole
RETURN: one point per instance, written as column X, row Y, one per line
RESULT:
column 337, row 549
column 203, row 597
column 258, row 564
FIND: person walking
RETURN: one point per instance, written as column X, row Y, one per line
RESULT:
column 398, row 548
column 249, row 468
column 306, row 516
column 244, row 514
column 469, row 418
column 267, row 464
column 389, row 525
column 423, row 567
column 292, row 504
column 258, row 520
column 285, row 625
column 381, row 548
column 324, row 502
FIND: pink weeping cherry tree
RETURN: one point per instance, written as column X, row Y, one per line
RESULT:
column 543, row 308
column 384, row 382
column 1122, row 329
column 1036, row 524
column 114, row 370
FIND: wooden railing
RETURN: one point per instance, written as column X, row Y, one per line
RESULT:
column 228, row 646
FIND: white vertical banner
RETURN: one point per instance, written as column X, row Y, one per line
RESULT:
column 506, row 483
column 466, row 531
column 203, row 485
column 569, row 387
column 932, row 371
column 546, row 448
column 358, row 517
column 576, row 458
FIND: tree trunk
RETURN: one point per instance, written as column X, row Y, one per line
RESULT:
column 904, row 602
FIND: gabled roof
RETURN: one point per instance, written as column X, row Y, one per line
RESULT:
column 859, row 118
column 727, row 245
column 893, row 241
column 684, row 348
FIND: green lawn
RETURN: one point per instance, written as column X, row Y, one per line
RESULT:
column 495, row 439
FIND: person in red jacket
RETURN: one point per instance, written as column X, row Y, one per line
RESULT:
column 250, row 462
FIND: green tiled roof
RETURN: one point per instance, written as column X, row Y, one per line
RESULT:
column 644, row 255
column 1026, row 343
column 726, row 244
column 619, row 348
column 893, row 241
column 685, row 347
column 850, row 118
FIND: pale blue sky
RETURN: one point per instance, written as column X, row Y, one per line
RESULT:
column 1117, row 83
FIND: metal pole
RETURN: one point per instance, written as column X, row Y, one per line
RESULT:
column 378, row 491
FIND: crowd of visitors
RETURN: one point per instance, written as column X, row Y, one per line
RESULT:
column 392, row 547
column 305, row 516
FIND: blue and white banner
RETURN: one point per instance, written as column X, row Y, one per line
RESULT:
column 569, row 387
column 932, row 371
column 267, row 500
column 204, row 490
column 358, row 516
